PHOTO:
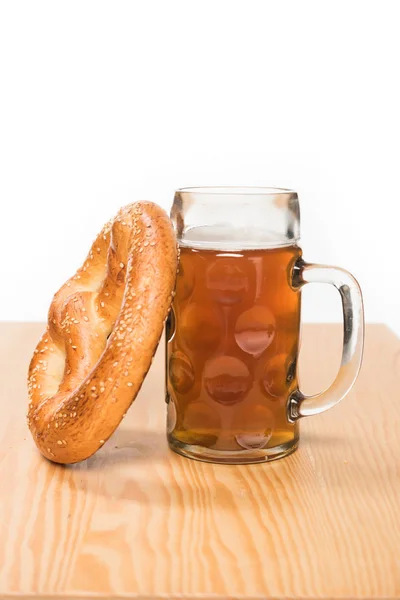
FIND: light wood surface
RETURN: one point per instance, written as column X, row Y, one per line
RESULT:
column 138, row 521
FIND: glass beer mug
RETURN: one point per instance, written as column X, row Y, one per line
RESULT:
column 233, row 331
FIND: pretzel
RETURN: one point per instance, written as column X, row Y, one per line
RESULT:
column 103, row 328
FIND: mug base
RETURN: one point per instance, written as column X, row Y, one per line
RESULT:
column 232, row 457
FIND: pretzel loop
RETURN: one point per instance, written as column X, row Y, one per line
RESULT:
column 103, row 328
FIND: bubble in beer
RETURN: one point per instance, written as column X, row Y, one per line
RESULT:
column 226, row 281
column 256, row 426
column 201, row 328
column 227, row 379
column 170, row 325
column 200, row 417
column 277, row 375
column 171, row 416
column 185, row 279
column 255, row 330
column 181, row 373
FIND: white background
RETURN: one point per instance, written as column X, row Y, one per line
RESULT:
column 104, row 103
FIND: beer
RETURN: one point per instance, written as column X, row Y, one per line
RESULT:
column 232, row 346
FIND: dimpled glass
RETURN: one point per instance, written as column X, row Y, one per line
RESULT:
column 233, row 332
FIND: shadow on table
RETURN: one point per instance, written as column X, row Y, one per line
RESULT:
column 127, row 446
column 140, row 446
column 136, row 466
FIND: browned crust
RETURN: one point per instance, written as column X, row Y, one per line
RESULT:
column 103, row 329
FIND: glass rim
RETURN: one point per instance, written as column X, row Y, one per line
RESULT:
column 222, row 190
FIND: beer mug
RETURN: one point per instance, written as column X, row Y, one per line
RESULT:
column 232, row 337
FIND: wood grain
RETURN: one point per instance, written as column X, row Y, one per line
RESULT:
column 138, row 521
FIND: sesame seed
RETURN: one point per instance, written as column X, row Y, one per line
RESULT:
column 102, row 304
column 93, row 388
column 115, row 364
column 152, row 243
column 110, row 379
column 139, row 306
column 74, row 347
column 102, row 389
column 85, row 318
column 59, row 442
column 106, row 294
column 129, row 384
column 101, row 441
column 48, row 450
column 98, row 249
column 83, row 309
column 121, row 264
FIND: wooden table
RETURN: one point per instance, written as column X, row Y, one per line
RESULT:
column 138, row 521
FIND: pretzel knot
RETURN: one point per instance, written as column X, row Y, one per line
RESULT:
column 103, row 329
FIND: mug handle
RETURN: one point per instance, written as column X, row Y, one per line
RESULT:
column 299, row 404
